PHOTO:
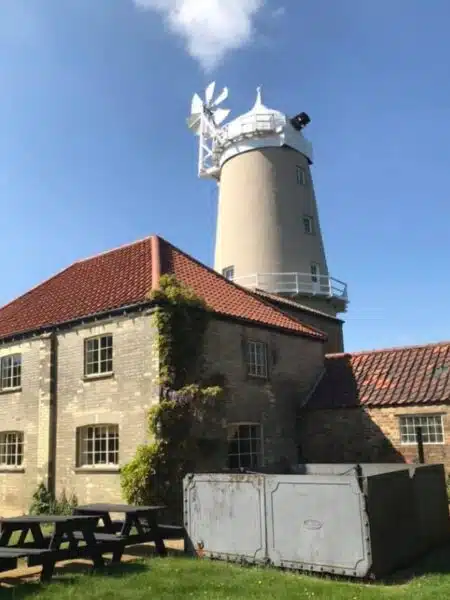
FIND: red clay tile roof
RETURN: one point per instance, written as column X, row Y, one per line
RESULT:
column 123, row 277
column 400, row 376
column 225, row 297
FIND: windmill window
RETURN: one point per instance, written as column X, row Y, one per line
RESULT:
column 308, row 225
column 228, row 272
column 301, row 176
column 315, row 272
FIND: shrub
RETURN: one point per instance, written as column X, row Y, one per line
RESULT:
column 44, row 503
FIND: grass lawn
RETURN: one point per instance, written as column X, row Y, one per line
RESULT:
column 180, row 578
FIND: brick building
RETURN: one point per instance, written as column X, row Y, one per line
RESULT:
column 78, row 371
column 368, row 405
column 78, row 374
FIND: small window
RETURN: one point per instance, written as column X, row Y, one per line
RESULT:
column 301, row 176
column 97, row 445
column 244, row 446
column 315, row 272
column 11, row 371
column 228, row 273
column 11, row 448
column 98, row 355
column 257, row 359
column 431, row 425
column 308, row 225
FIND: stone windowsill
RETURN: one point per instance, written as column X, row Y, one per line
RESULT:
column 12, row 470
column 258, row 378
column 98, row 376
column 12, row 390
column 97, row 470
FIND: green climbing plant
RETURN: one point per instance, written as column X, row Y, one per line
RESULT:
column 187, row 400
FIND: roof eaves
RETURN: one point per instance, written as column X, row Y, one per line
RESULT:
column 262, row 325
column 296, row 305
column 26, row 333
column 373, row 406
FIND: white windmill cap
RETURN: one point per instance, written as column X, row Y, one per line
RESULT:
column 259, row 109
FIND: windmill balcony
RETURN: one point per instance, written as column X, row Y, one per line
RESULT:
column 293, row 284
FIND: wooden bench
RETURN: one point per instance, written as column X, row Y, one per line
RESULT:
column 35, row 557
column 168, row 532
column 108, row 543
column 8, row 563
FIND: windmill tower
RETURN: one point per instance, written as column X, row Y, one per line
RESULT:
column 268, row 233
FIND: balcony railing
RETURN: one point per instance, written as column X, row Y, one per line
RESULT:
column 252, row 124
column 295, row 283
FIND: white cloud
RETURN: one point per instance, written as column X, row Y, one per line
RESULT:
column 211, row 28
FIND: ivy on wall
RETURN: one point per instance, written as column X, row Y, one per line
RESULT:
column 187, row 401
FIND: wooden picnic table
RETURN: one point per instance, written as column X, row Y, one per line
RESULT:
column 142, row 518
column 47, row 550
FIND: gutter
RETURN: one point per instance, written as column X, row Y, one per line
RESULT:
column 138, row 306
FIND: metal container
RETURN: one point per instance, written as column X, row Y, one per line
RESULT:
column 353, row 520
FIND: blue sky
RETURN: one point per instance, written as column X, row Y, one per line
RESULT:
column 94, row 151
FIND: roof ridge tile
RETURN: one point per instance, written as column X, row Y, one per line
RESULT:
column 392, row 349
column 124, row 276
column 115, row 249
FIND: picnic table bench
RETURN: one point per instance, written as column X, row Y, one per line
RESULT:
column 142, row 518
column 35, row 556
column 45, row 550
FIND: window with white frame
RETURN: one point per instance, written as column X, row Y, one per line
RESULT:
column 11, row 371
column 308, row 224
column 11, row 448
column 98, row 355
column 257, row 359
column 228, row 272
column 244, row 446
column 301, row 175
column 431, row 426
column 315, row 272
column 97, row 445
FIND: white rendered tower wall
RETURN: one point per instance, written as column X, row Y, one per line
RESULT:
column 268, row 232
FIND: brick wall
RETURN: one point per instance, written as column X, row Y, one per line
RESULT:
column 367, row 435
column 333, row 328
column 49, row 412
column 26, row 410
column 122, row 399
column 294, row 365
